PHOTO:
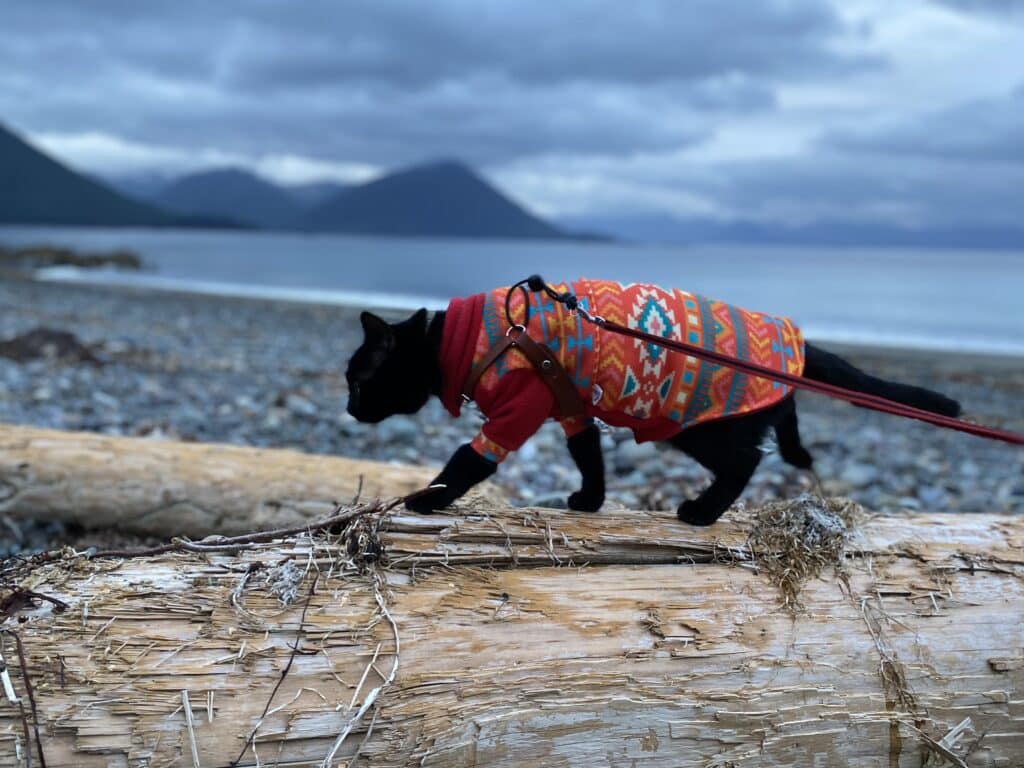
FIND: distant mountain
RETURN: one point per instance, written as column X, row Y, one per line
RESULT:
column 316, row 192
column 35, row 189
column 145, row 185
column 233, row 194
column 443, row 199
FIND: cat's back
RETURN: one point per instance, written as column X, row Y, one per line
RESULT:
column 646, row 381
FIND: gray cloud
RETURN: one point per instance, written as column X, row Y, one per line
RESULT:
column 395, row 82
column 988, row 131
column 608, row 104
column 910, row 192
column 550, row 43
column 984, row 6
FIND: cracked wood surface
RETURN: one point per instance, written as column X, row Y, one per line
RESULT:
column 542, row 638
column 169, row 488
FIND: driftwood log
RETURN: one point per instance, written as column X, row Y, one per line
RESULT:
column 511, row 637
column 169, row 488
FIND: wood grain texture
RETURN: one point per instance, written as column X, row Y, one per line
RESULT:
column 541, row 638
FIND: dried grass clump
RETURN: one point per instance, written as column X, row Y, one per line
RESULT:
column 793, row 541
column 283, row 581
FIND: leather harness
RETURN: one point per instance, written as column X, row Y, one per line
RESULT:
column 551, row 372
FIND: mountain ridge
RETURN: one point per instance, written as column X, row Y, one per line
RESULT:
column 439, row 198
column 231, row 193
column 37, row 189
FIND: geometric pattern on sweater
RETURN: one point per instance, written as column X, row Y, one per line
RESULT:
column 489, row 449
column 616, row 374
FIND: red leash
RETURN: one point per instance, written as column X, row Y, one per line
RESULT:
column 857, row 398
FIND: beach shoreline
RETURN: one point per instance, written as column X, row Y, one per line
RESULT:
column 271, row 373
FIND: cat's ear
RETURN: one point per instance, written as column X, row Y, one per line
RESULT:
column 414, row 327
column 419, row 321
column 378, row 332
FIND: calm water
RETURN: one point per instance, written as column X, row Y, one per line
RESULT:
column 960, row 300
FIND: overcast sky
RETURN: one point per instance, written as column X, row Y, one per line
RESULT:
column 882, row 111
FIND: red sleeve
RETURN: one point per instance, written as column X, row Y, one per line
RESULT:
column 515, row 409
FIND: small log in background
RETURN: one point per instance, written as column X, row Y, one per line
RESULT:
column 511, row 637
column 167, row 488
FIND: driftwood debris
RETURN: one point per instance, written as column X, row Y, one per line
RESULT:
column 511, row 637
column 168, row 488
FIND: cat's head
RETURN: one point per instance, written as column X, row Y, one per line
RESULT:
column 394, row 371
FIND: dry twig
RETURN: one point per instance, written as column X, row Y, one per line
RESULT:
column 284, row 673
column 371, row 697
column 31, row 699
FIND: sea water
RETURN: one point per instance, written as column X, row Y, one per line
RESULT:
column 936, row 299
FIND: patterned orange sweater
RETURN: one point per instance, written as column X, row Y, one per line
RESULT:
column 624, row 382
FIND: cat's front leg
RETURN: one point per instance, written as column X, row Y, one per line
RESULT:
column 464, row 469
column 585, row 449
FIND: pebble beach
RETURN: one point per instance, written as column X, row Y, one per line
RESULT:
column 166, row 365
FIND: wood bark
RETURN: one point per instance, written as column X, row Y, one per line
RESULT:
column 535, row 638
column 168, row 488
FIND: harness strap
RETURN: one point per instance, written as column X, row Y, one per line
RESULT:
column 551, row 372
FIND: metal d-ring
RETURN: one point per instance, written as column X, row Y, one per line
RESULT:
column 516, row 327
column 526, row 303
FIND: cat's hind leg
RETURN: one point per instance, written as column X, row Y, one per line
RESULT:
column 731, row 476
column 787, row 432
column 730, row 449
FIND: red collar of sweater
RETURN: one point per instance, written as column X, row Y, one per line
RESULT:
column 458, row 342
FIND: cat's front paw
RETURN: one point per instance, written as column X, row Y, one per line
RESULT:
column 694, row 513
column 428, row 502
column 583, row 501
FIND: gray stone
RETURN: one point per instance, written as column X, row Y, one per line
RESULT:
column 629, row 499
column 246, row 404
column 870, row 434
column 630, row 454
column 529, row 450
column 400, row 428
column 300, row 405
column 932, row 497
column 858, row 475
column 635, row 478
column 551, row 502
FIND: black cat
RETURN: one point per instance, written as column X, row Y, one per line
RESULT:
column 397, row 369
